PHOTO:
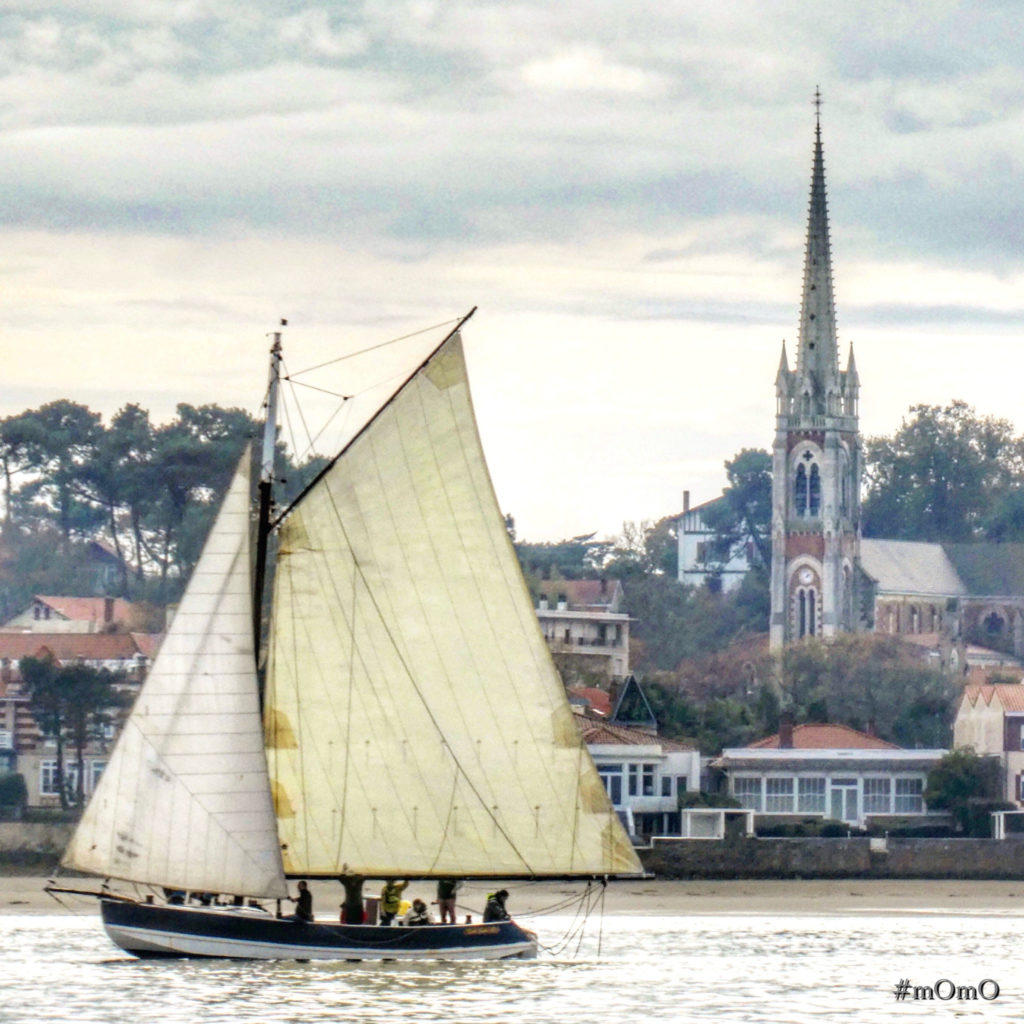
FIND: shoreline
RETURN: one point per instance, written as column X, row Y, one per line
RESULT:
column 24, row 894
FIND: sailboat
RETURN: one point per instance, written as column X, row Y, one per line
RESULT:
column 411, row 723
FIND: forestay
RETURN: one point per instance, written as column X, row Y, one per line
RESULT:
column 415, row 721
column 184, row 801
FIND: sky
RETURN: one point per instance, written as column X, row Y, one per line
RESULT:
column 620, row 188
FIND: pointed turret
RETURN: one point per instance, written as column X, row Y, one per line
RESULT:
column 782, row 377
column 817, row 352
column 852, row 379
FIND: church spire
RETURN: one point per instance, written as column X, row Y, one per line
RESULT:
column 817, row 350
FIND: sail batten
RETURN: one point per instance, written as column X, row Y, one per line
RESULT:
column 184, row 801
column 427, row 730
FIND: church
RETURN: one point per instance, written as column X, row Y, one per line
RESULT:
column 962, row 602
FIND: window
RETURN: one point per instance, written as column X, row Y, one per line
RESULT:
column 6, row 739
column 611, row 776
column 649, row 771
column 666, row 785
column 48, row 778
column 682, row 784
column 1020, row 787
column 877, row 796
column 909, row 799
column 779, row 796
column 748, row 792
column 806, row 611
column 633, row 785
column 811, row 794
column 807, row 487
column 96, row 772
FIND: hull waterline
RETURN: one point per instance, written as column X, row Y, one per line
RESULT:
column 150, row 930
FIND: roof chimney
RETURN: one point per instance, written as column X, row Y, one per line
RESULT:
column 108, row 609
column 786, row 730
column 686, row 502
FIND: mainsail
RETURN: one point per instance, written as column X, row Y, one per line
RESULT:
column 415, row 723
column 184, row 801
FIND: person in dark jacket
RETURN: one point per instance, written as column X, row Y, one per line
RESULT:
column 446, row 890
column 495, row 909
column 303, row 905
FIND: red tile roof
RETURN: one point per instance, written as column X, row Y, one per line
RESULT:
column 596, row 731
column 87, row 609
column 828, row 736
column 68, row 646
column 1010, row 695
column 600, row 701
column 148, row 643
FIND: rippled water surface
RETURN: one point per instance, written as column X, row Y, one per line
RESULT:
column 721, row 968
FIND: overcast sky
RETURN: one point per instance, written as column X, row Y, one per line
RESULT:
column 620, row 187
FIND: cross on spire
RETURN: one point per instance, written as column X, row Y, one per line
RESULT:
column 817, row 107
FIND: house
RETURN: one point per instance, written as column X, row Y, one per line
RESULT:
column 48, row 614
column 828, row 771
column 23, row 747
column 643, row 774
column 990, row 718
column 587, row 632
column 698, row 563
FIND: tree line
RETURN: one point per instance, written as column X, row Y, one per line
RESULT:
column 146, row 491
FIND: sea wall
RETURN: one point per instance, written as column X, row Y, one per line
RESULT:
column 807, row 857
column 40, row 845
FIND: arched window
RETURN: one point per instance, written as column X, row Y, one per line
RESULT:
column 806, row 612
column 800, row 495
column 807, row 486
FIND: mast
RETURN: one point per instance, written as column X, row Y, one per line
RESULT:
column 265, row 488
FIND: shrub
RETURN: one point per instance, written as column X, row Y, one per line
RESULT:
column 13, row 795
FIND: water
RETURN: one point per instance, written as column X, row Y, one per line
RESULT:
column 771, row 968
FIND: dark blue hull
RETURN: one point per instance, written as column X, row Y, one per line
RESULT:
column 151, row 930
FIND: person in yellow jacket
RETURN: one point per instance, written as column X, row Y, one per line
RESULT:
column 391, row 900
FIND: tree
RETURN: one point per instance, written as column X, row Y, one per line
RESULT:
column 579, row 557
column 71, row 703
column 90, row 696
column 960, row 782
column 869, row 682
column 946, row 475
column 58, row 440
column 47, row 704
column 742, row 520
column 119, row 477
column 644, row 548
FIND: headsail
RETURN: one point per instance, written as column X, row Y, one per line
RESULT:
column 184, row 801
column 415, row 721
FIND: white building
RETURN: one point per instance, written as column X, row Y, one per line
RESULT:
column 990, row 719
column 585, row 629
column 643, row 774
column 828, row 771
column 695, row 539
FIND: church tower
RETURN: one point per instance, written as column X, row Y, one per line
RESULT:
column 816, row 463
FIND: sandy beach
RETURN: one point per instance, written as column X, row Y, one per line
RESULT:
column 24, row 894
